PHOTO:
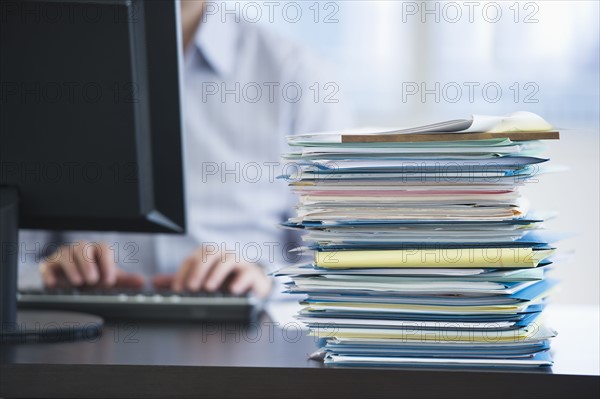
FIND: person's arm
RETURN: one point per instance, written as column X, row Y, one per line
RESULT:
column 208, row 271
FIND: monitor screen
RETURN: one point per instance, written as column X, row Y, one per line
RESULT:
column 90, row 132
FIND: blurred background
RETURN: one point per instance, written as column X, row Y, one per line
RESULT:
column 404, row 63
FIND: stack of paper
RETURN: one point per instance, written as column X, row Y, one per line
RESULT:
column 424, row 251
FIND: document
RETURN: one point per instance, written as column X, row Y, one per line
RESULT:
column 520, row 121
column 447, row 257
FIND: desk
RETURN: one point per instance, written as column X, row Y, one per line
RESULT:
column 268, row 359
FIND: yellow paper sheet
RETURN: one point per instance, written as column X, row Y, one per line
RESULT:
column 437, row 258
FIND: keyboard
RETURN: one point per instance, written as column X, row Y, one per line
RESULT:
column 142, row 305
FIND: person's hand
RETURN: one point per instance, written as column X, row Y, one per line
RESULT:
column 86, row 265
column 216, row 272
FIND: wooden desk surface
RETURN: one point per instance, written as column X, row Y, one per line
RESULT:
column 264, row 359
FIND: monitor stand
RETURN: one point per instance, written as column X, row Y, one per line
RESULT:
column 25, row 326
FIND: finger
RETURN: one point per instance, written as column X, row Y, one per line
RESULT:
column 219, row 274
column 181, row 275
column 201, row 270
column 48, row 274
column 106, row 262
column 129, row 280
column 67, row 263
column 85, row 259
column 243, row 282
column 253, row 279
column 51, row 269
column 163, row 281
column 62, row 282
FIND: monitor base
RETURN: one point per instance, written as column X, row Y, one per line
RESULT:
column 51, row 326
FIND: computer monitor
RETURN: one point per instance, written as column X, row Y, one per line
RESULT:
column 90, row 126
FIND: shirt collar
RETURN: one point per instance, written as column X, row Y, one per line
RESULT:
column 217, row 42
